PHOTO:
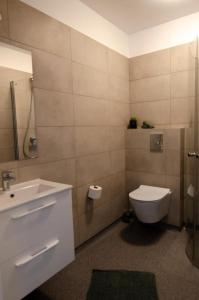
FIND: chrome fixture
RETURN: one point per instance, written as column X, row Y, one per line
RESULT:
column 193, row 154
column 7, row 178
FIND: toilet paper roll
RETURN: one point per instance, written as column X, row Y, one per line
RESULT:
column 95, row 192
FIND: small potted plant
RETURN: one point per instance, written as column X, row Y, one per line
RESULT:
column 132, row 123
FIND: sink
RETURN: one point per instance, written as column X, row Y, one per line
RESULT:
column 29, row 191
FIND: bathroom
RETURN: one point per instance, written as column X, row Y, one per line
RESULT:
column 90, row 67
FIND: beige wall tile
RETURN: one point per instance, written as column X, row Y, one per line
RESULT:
column 6, row 154
column 4, row 21
column 148, row 89
column 183, row 84
column 117, row 161
column 173, row 163
column 176, row 204
column 135, row 179
column 183, row 57
column 155, row 112
column 138, row 139
column 6, row 118
column 91, row 140
column 88, row 52
column 52, row 72
column 113, row 187
column 31, row 27
column 93, row 167
column 6, row 138
column 101, row 217
column 173, row 139
column 53, row 108
column 148, row 65
column 90, row 111
column 116, row 138
column 182, row 111
column 118, row 64
column 89, row 82
column 56, row 143
column 118, row 114
column 5, row 102
column 118, row 89
column 144, row 161
column 61, row 171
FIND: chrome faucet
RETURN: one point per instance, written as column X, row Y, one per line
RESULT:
column 7, row 178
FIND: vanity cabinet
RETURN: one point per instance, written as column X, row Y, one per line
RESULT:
column 37, row 241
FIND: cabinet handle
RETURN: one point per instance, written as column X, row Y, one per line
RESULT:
column 31, row 211
column 28, row 258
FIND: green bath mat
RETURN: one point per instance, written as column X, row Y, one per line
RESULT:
column 122, row 285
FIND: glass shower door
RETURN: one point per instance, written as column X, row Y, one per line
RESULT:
column 192, row 187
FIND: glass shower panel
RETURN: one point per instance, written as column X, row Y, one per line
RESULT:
column 192, row 161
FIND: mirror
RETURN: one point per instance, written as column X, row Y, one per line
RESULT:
column 17, row 108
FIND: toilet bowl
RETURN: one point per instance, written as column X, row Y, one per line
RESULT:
column 150, row 203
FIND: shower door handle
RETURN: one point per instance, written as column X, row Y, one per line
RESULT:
column 193, row 154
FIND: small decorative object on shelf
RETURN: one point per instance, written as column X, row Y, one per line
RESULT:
column 132, row 123
column 146, row 125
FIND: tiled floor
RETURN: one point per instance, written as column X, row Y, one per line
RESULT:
column 129, row 247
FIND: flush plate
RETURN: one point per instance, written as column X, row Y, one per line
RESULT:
column 156, row 142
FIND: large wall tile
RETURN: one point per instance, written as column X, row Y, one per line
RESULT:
column 118, row 114
column 53, row 108
column 112, row 188
column 148, row 65
column 31, row 27
column 88, row 52
column 90, row 111
column 52, row 72
column 56, row 143
column 89, row 82
column 183, row 57
column 138, row 139
column 183, row 84
column 182, row 111
column 91, row 140
column 173, row 163
column 61, row 171
column 4, row 21
column 93, row 167
column 176, row 203
column 117, row 161
column 118, row 89
column 118, row 64
column 141, row 160
column 148, row 89
column 101, row 217
column 155, row 112
column 135, row 179
column 117, row 138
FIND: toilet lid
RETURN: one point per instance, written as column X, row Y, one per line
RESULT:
column 149, row 193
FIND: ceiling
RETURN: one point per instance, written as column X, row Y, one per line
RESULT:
column 135, row 15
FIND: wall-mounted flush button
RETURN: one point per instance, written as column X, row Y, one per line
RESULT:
column 156, row 142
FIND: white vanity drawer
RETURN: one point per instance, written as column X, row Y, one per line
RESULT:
column 29, row 224
column 22, row 273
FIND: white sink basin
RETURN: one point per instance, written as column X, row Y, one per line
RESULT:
column 29, row 191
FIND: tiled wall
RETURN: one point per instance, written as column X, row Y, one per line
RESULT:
column 162, row 86
column 164, row 169
column 82, row 109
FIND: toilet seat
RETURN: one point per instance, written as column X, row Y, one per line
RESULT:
column 149, row 193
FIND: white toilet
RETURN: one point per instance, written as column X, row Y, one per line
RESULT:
column 150, row 203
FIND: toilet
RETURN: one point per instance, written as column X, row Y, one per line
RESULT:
column 150, row 203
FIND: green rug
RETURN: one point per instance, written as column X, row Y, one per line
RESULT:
column 122, row 285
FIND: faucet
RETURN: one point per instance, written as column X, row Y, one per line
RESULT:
column 7, row 178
